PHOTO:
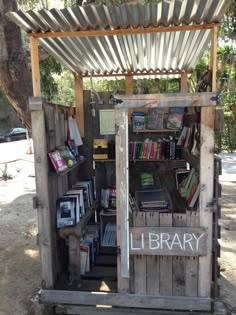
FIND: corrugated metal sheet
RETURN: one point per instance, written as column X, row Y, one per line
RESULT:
column 121, row 54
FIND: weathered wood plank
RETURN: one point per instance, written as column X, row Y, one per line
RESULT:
column 35, row 66
column 122, row 202
column 140, row 261
column 191, row 274
column 74, row 258
column 42, row 188
column 178, row 261
column 165, row 262
column 180, row 241
column 124, row 300
column 153, row 262
column 166, row 100
column 79, row 103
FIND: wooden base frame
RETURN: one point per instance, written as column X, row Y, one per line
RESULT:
column 126, row 300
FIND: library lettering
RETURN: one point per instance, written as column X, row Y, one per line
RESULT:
column 162, row 242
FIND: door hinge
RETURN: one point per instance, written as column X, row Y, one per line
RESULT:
column 36, row 203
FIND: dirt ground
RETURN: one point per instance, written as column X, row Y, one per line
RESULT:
column 19, row 256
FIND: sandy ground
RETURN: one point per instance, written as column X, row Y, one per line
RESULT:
column 19, row 256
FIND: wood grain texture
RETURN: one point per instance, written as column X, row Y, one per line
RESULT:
column 191, row 273
column 179, row 220
column 140, row 261
column 124, row 300
column 79, row 104
column 165, row 261
column 153, row 262
column 35, row 66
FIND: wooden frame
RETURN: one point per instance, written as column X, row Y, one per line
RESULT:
column 148, row 30
column 206, row 101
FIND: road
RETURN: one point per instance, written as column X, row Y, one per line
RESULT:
column 15, row 150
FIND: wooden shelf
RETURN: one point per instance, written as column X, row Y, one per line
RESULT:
column 104, row 160
column 181, row 160
column 78, row 229
column 81, row 159
column 155, row 130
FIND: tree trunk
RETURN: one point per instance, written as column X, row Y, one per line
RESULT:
column 15, row 76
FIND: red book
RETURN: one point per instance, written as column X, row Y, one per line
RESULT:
column 58, row 162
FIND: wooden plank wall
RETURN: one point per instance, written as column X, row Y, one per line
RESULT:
column 56, row 123
column 164, row 275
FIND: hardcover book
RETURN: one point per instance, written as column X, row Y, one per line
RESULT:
column 66, row 212
column 67, row 155
column 58, row 162
column 155, row 118
column 175, row 118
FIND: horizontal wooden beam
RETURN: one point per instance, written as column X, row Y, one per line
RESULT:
column 103, row 32
column 166, row 100
column 125, row 300
column 136, row 74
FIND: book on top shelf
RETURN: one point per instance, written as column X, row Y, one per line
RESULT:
column 138, row 120
column 175, row 118
column 58, row 162
column 155, row 118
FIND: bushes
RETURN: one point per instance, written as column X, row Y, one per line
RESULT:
column 227, row 140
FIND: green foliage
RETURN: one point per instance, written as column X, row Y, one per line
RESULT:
column 4, row 108
column 48, row 67
column 65, row 88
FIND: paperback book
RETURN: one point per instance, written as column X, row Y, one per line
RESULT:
column 58, row 162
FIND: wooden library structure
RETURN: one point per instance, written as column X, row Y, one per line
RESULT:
column 127, row 184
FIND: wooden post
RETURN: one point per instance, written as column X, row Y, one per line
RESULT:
column 122, row 191
column 35, row 66
column 207, row 178
column 79, row 103
column 184, row 82
column 129, row 88
column 41, row 172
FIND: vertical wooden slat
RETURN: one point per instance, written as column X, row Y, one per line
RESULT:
column 206, row 178
column 122, row 205
column 42, row 188
column 129, row 85
column 165, row 261
column 184, row 82
column 153, row 262
column 191, row 273
column 79, row 103
column 140, row 261
column 35, row 66
column 74, row 258
column 178, row 261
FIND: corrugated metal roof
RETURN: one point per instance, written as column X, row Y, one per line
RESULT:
column 132, row 53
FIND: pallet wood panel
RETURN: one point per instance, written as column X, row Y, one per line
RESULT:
column 191, row 271
column 140, row 261
column 126, row 300
column 165, row 261
column 179, row 262
column 153, row 262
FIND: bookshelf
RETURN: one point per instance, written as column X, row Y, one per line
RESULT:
column 80, row 160
column 156, row 130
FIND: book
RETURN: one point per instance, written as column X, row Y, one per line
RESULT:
column 138, row 120
column 181, row 176
column 194, row 194
column 175, row 118
column 66, row 212
column 155, row 118
column 67, row 155
column 72, row 146
column 58, row 162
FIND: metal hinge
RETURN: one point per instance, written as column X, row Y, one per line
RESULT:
column 118, row 250
column 36, row 203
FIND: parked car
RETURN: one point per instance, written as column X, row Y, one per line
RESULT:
column 13, row 134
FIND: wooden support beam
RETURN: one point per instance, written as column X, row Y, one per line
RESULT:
column 207, row 179
column 79, row 104
column 184, row 82
column 122, row 201
column 35, row 66
column 129, row 85
column 125, row 300
column 135, row 31
column 137, row 74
